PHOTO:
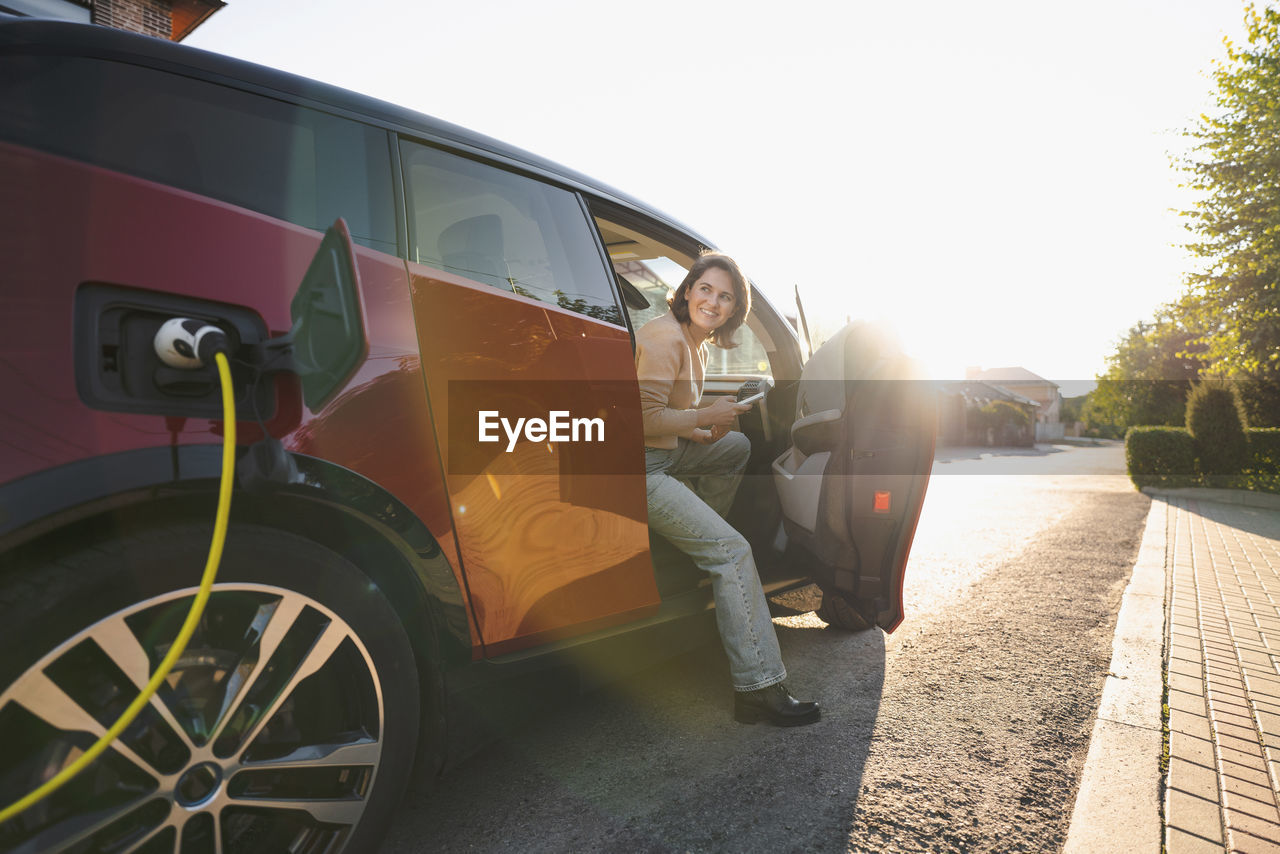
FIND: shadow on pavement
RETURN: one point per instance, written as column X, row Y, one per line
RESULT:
column 1259, row 521
column 655, row 762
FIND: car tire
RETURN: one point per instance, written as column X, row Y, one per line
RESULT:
column 289, row 723
column 837, row 610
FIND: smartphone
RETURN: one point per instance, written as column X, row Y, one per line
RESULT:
column 759, row 388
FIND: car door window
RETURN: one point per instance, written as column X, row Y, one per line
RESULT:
column 655, row 270
column 503, row 230
column 289, row 162
column 654, row 278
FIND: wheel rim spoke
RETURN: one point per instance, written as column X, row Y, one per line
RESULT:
column 329, row 811
column 278, row 620
column 156, row 831
column 217, row 829
column 41, row 696
column 117, row 640
column 38, row 694
column 315, row 658
column 64, row 838
column 364, row 752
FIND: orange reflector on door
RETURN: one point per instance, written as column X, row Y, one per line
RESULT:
column 881, row 504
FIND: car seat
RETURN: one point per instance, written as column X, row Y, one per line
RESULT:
column 474, row 248
column 852, row 482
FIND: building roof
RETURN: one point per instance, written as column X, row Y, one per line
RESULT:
column 1007, row 375
column 982, row 393
column 189, row 14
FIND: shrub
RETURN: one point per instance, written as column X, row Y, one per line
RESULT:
column 1264, row 447
column 1002, row 412
column 1160, row 456
column 1216, row 422
column 1262, row 472
column 1009, row 422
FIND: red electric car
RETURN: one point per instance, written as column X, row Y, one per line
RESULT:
column 385, row 280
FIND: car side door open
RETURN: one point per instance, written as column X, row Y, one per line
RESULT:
column 852, row 484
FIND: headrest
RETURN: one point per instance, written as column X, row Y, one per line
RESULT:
column 477, row 235
column 859, row 351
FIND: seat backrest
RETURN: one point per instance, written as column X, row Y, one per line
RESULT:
column 859, row 351
column 474, row 248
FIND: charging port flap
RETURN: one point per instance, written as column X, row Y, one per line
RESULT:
column 329, row 342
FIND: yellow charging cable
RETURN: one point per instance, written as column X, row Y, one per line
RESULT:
column 193, row 616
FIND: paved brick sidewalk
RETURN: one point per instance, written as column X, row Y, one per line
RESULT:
column 1223, row 655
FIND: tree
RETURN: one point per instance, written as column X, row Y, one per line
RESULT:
column 1235, row 165
column 1008, row 421
column 1148, row 377
column 1072, row 409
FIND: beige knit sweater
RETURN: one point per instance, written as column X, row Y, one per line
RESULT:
column 671, row 367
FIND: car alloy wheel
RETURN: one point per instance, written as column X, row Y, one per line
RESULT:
column 268, row 735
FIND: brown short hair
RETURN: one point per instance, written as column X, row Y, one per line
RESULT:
column 723, row 337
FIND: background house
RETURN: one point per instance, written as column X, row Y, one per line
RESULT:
column 961, row 421
column 1020, row 381
column 166, row 19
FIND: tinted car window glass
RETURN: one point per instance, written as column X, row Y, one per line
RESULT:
column 749, row 357
column 280, row 159
column 504, row 230
column 655, row 278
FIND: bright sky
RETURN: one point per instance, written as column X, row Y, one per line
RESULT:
column 992, row 177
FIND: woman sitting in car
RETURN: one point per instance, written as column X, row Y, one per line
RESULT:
column 685, row 440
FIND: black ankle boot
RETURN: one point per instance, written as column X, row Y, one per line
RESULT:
column 775, row 705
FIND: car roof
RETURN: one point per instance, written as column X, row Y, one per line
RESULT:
column 35, row 35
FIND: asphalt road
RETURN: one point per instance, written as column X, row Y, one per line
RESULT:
column 965, row 730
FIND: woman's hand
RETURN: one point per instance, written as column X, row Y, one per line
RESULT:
column 708, row 437
column 721, row 413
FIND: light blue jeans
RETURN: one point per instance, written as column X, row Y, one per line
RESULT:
column 694, row 523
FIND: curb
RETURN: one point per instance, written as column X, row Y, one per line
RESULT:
column 1117, row 807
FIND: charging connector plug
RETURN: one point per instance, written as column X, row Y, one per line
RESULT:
column 188, row 344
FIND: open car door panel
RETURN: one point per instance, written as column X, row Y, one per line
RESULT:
column 853, row 482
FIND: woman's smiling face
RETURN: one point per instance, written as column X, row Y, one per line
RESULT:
column 711, row 301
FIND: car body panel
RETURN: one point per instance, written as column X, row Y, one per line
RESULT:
column 113, row 218
column 549, row 546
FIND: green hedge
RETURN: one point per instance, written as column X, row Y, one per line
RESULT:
column 1216, row 422
column 998, row 413
column 1165, row 456
column 1160, row 456
column 1262, row 472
